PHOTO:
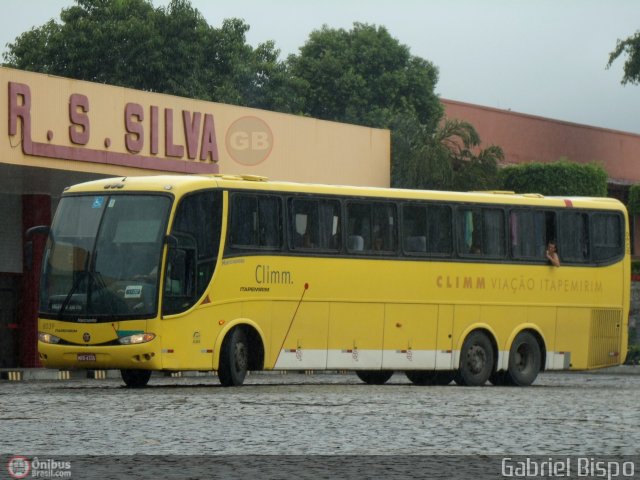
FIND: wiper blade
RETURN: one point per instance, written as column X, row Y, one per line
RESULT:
column 74, row 287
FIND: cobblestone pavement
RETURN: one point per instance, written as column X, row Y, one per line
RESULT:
column 297, row 414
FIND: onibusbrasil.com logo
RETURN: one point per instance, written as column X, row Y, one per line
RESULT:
column 20, row 466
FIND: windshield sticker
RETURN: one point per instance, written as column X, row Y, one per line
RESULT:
column 112, row 202
column 97, row 202
column 133, row 291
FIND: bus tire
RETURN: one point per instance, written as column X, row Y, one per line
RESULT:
column 525, row 360
column 234, row 358
column 374, row 377
column 135, row 378
column 476, row 360
column 429, row 377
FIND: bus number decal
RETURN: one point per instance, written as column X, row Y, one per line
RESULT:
column 133, row 291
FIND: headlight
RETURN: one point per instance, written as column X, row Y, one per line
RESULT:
column 48, row 338
column 137, row 338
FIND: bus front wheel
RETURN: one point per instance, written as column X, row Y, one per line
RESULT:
column 374, row 377
column 234, row 358
column 524, row 360
column 476, row 360
column 135, row 378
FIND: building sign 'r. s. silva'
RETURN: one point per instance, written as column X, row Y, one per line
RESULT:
column 90, row 128
column 155, row 138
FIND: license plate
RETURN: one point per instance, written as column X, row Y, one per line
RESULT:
column 86, row 357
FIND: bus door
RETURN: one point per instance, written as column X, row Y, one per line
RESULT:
column 193, row 245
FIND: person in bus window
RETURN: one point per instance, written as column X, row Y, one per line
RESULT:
column 378, row 240
column 552, row 254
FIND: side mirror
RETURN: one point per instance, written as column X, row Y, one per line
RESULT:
column 38, row 230
column 28, row 247
column 177, row 259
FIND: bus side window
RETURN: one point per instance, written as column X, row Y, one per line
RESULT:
column 371, row 227
column 269, row 218
column 329, row 218
column 301, row 237
column 530, row 231
column 493, row 237
column 358, row 227
column 607, row 234
column 384, row 227
column 482, row 232
column 244, row 221
column 470, row 231
column 426, row 229
column 256, row 222
column 573, row 241
column 414, row 229
column 440, row 241
column 314, row 224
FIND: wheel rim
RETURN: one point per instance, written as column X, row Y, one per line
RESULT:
column 525, row 360
column 240, row 357
column 476, row 359
column 522, row 357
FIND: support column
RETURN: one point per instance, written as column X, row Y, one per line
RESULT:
column 36, row 210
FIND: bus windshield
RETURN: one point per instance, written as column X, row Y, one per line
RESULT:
column 103, row 255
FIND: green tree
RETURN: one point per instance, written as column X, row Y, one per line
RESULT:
column 367, row 77
column 419, row 159
column 472, row 168
column 364, row 76
column 558, row 178
column 633, row 204
column 169, row 50
column 631, row 48
column 450, row 158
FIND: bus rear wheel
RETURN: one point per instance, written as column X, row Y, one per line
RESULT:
column 524, row 360
column 135, row 378
column 374, row 377
column 476, row 360
column 429, row 377
column 234, row 358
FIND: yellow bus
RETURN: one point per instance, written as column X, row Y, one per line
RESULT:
column 237, row 273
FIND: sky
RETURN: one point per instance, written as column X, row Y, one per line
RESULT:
column 538, row 57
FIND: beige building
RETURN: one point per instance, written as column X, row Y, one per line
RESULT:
column 58, row 132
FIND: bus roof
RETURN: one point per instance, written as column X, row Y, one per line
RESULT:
column 180, row 184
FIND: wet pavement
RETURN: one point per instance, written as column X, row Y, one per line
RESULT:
column 323, row 414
